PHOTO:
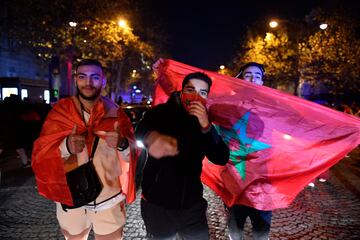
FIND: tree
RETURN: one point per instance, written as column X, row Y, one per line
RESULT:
column 329, row 57
column 94, row 33
column 332, row 56
column 275, row 51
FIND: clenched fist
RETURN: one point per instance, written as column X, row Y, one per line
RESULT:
column 160, row 145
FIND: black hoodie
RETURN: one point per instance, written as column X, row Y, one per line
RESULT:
column 174, row 182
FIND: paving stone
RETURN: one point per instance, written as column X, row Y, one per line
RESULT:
column 328, row 211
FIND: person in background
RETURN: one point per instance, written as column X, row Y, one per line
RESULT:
column 261, row 220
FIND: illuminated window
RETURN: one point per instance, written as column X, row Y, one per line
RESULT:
column 7, row 91
column 47, row 96
column 24, row 93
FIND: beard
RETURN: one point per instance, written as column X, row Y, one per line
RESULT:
column 92, row 97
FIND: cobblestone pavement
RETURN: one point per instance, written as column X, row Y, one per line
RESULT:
column 327, row 211
column 331, row 210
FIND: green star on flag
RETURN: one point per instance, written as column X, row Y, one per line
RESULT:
column 246, row 145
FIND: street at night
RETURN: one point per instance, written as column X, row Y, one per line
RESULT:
column 179, row 120
column 330, row 210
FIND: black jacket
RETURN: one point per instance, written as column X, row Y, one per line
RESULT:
column 174, row 182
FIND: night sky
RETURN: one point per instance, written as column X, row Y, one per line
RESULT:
column 207, row 34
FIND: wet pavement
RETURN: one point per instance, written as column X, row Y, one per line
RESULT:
column 330, row 210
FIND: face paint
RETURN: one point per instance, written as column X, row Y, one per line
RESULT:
column 187, row 98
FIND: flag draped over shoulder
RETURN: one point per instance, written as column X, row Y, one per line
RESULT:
column 47, row 163
column 278, row 142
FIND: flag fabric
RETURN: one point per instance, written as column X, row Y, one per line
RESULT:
column 278, row 142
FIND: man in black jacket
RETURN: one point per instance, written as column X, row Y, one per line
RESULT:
column 178, row 135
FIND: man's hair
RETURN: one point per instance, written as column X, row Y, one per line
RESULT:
column 251, row 64
column 197, row 75
column 84, row 62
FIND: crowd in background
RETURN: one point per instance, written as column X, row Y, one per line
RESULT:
column 20, row 125
column 21, row 121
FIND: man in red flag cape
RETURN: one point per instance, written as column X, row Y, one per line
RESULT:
column 66, row 141
column 278, row 142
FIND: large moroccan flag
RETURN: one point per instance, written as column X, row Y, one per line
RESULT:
column 278, row 142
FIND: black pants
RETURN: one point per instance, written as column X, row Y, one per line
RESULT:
column 162, row 223
column 260, row 220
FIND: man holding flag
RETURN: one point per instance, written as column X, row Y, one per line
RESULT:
column 178, row 135
column 260, row 219
column 278, row 142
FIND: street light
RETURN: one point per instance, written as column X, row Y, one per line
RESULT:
column 71, row 56
column 122, row 23
column 73, row 24
column 323, row 26
column 222, row 67
column 273, row 24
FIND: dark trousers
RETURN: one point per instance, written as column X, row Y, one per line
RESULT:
column 260, row 220
column 162, row 223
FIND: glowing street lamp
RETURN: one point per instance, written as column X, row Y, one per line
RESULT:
column 323, row 26
column 122, row 23
column 70, row 59
column 273, row 24
column 222, row 67
column 73, row 24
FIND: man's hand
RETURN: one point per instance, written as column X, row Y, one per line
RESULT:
column 112, row 138
column 75, row 142
column 160, row 145
column 198, row 110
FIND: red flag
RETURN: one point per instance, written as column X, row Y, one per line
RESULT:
column 47, row 164
column 278, row 142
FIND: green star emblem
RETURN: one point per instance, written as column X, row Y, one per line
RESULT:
column 246, row 145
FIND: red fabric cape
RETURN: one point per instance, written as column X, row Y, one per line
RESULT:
column 278, row 142
column 47, row 163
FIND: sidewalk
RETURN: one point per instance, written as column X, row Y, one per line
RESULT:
column 327, row 211
column 11, row 171
column 347, row 171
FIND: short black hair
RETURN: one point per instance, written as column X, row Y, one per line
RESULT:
column 89, row 61
column 197, row 75
column 251, row 64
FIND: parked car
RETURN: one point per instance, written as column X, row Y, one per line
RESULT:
column 135, row 113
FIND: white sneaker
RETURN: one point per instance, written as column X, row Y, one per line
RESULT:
column 311, row 184
column 322, row 180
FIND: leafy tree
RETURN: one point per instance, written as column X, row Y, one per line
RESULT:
column 45, row 28
column 329, row 57
column 275, row 51
column 332, row 56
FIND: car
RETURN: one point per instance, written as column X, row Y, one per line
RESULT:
column 135, row 112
